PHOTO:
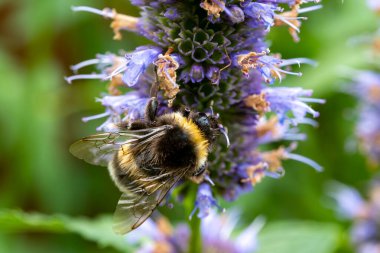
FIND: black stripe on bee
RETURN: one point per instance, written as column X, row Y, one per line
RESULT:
column 176, row 150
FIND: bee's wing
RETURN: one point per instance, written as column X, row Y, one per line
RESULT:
column 99, row 149
column 135, row 206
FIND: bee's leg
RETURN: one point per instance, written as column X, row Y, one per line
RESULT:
column 199, row 174
column 151, row 109
column 200, row 170
column 137, row 125
column 185, row 111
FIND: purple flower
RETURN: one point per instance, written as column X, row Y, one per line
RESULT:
column 204, row 201
column 239, row 183
column 196, row 73
column 172, row 14
column 368, row 132
column 289, row 2
column 120, row 21
column 272, row 161
column 137, row 62
column 278, row 131
column 268, row 66
column 283, row 100
column 131, row 67
column 235, row 14
column 367, row 86
column 348, row 200
column 218, row 235
column 213, row 74
column 364, row 214
column 367, row 89
column 128, row 107
column 261, row 14
column 104, row 62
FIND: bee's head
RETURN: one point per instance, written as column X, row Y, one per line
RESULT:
column 209, row 125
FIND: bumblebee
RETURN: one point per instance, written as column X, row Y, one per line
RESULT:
column 146, row 158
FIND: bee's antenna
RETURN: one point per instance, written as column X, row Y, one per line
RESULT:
column 224, row 131
column 215, row 115
column 211, row 109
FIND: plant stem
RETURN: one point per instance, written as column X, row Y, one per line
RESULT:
column 195, row 242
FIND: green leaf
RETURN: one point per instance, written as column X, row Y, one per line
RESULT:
column 98, row 230
column 299, row 237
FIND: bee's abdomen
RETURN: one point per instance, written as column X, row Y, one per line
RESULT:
column 121, row 173
column 176, row 149
column 127, row 175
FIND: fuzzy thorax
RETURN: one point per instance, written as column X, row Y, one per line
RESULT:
column 195, row 135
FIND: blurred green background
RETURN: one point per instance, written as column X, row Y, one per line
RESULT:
column 41, row 116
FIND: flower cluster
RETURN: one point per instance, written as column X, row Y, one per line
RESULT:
column 218, row 235
column 213, row 54
column 366, row 88
column 365, row 214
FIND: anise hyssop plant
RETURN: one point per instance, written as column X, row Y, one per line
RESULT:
column 211, row 56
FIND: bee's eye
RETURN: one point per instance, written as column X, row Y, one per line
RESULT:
column 203, row 120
